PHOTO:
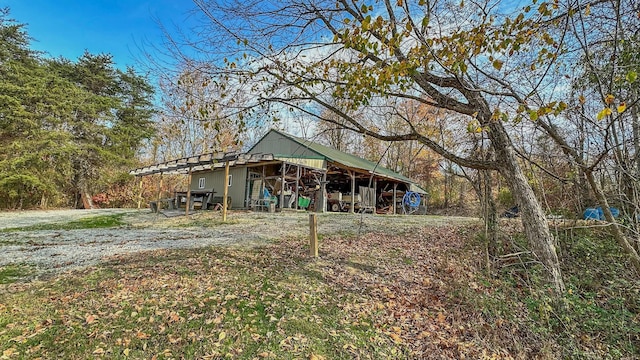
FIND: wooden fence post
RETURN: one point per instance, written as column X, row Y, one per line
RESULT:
column 313, row 235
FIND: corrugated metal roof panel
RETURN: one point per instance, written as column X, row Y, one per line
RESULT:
column 349, row 160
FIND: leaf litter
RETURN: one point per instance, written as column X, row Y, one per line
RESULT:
column 380, row 295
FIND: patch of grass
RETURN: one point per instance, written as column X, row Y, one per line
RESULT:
column 208, row 222
column 12, row 273
column 8, row 242
column 90, row 222
column 235, row 302
column 407, row 260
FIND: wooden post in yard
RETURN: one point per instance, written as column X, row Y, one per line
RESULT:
column 186, row 208
column 313, row 235
column 225, row 191
column 140, row 194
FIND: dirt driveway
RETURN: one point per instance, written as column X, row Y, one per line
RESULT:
column 54, row 251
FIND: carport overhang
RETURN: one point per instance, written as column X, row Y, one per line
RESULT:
column 204, row 162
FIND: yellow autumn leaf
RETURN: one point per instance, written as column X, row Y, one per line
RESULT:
column 603, row 113
column 609, row 99
column 98, row 351
column 142, row 335
column 622, row 107
column 409, row 26
column 222, row 335
column 396, row 337
column 126, row 352
column 587, row 10
column 497, row 64
column 9, row 352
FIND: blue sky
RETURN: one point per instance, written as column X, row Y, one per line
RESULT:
column 119, row 27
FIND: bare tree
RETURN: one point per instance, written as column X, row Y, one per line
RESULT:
column 488, row 62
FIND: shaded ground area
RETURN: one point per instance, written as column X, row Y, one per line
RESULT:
column 54, row 250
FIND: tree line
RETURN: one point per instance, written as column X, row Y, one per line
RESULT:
column 69, row 129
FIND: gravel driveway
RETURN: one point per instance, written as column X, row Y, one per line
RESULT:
column 54, row 251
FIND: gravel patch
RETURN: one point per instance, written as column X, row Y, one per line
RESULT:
column 55, row 251
column 16, row 219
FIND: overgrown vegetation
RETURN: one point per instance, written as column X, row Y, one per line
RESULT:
column 599, row 315
column 90, row 222
column 421, row 294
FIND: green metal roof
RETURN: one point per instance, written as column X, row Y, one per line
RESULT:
column 349, row 160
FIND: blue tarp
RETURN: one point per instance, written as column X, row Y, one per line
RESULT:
column 598, row 214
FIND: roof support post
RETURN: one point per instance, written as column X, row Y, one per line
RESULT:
column 323, row 194
column 375, row 195
column 225, row 192
column 284, row 172
column 160, row 192
column 188, row 204
column 352, row 208
column 140, row 193
column 262, row 184
column 395, row 194
column 297, row 185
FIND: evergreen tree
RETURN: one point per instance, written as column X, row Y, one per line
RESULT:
column 66, row 128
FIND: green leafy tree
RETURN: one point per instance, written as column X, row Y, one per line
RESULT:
column 64, row 126
column 33, row 157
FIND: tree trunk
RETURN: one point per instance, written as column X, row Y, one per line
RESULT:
column 635, row 124
column 490, row 214
column 483, row 189
column 85, row 196
column 533, row 219
column 87, row 203
column 43, row 201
